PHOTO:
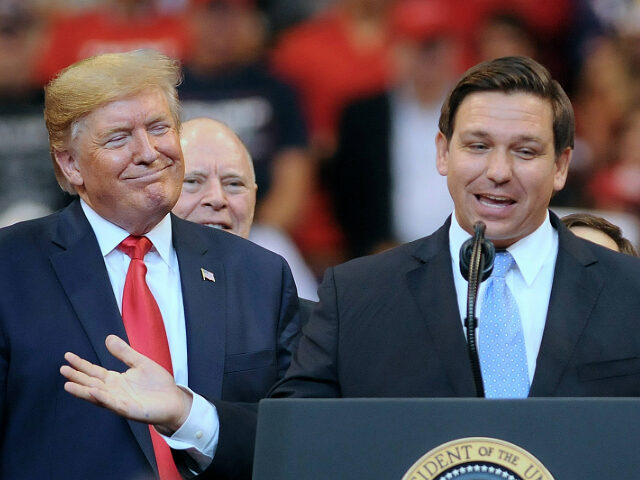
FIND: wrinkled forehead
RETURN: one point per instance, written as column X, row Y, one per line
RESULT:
column 520, row 113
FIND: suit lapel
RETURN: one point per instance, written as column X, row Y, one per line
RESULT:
column 204, row 307
column 83, row 276
column 573, row 296
column 432, row 287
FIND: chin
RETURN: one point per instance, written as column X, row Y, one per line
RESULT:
column 161, row 199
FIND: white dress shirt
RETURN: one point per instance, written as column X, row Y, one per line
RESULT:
column 530, row 282
column 199, row 434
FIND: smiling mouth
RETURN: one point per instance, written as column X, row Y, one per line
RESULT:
column 495, row 201
column 147, row 174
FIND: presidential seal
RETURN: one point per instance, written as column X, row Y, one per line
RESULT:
column 478, row 458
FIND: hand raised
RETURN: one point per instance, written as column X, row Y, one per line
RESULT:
column 146, row 392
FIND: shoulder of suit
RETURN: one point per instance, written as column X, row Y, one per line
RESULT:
column 387, row 260
column 27, row 241
column 592, row 253
column 229, row 244
column 34, row 227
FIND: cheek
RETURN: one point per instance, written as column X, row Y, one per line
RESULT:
column 539, row 189
column 170, row 146
column 241, row 209
column 460, row 176
column 187, row 203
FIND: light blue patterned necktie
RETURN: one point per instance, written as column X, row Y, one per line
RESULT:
column 503, row 357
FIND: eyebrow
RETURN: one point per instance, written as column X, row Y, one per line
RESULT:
column 160, row 117
column 198, row 173
column 234, row 173
column 120, row 127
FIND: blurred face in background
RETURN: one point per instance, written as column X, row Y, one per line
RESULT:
column 219, row 188
column 225, row 33
column 426, row 47
column 21, row 35
column 503, row 36
column 430, row 66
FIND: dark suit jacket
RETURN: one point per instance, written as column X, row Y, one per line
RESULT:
column 306, row 309
column 361, row 174
column 389, row 326
column 56, row 297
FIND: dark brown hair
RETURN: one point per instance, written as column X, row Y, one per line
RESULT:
column 598, row 223
column 508, row 75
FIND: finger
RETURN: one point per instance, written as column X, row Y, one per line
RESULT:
column 80, row 378
column 124, row 352
column 82, row 392
column 85, row 366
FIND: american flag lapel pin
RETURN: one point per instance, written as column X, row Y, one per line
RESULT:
column 207, row 275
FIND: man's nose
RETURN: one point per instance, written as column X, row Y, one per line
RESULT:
column 499, row 167
column 214, row 195
column 145, row 151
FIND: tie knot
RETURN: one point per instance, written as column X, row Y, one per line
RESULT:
column 135, row 247
column 502, row 264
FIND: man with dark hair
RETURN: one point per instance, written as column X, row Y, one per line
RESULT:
column 391, row 325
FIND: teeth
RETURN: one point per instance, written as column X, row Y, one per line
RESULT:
column 494, row 201
column 214, row 225
column 497, row 199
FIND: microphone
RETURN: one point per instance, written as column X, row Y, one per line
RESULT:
column 487, row 249
column 476, row 264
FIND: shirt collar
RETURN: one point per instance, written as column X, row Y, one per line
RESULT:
column 526, row 252
column 110, row 235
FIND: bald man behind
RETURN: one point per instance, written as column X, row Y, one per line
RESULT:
column 219, row 191
column 219, row 188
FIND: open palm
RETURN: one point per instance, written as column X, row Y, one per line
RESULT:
column 145, row 392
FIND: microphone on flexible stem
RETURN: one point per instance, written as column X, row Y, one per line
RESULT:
column 476, row 264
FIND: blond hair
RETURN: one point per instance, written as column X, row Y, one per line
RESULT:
column 91, row 83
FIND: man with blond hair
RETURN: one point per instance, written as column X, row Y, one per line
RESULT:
column 169, row 322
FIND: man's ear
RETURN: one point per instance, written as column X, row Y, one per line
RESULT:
column 67, row 162
column 442, row 154
column 562, row 169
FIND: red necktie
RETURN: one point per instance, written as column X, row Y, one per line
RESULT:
column 145, row 329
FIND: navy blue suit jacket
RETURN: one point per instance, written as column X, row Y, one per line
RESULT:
column 388, row 325
column 56, row 297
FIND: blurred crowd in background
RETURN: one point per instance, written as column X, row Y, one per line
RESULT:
column 337, row 100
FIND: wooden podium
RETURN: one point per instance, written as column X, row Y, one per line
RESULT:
column 574, row 438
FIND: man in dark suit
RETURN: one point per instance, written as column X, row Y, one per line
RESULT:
column 227, row 309
column 391, row 325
